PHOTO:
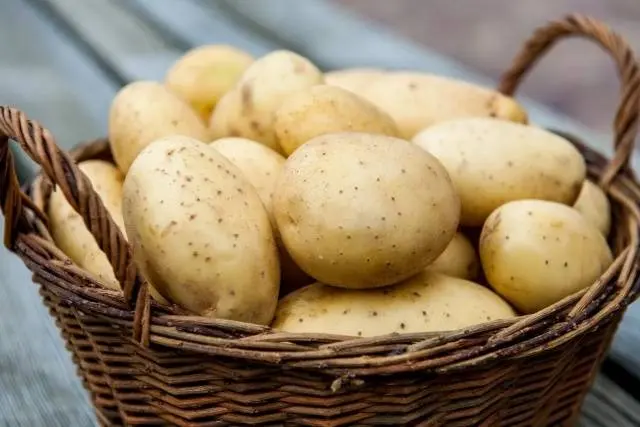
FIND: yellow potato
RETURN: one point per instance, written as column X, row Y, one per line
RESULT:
column 418, row 100
column 356, row 80
column 143, row 111
column 493, row 161
column 247, row 110
column 259, row 164
column 536, row 252
column 459, row 259
column 200, row 232
column 594, row 205
column 427, row 302
column 69, row 231
column 205, row 73
column 360, row 210
column 325, row 109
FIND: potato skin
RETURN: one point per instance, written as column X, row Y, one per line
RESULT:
column 325, row 109
column 205, row 73
column 418, row 100
column 594, row 205
column 459, row 259
column 144, row 111
column 427, row 302
column 200, row 232
column 355, row 80
column 493, row 161
column 359, row 210
column 248, row 109
column 67, row 226
column 536, row 252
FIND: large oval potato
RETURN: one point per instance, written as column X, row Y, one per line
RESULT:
column 427, row 302
column 325, row 109
column 248, row 109
column 493, row 161
column 594, row 205
column 200, row 232
column 459, row 259
column 143, row 111
column 259, row 164
column 360, row 210
column 536, row 252
column 205, row 73
column 356, row 80
column 419, row 100
column 70, row 233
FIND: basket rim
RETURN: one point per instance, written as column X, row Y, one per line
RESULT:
column 447, row 351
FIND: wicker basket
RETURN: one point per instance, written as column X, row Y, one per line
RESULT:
column 147, row 364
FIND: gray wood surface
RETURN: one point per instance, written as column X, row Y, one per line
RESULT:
column 50, row 78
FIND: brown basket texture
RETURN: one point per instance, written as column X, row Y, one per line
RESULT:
column 148, row 364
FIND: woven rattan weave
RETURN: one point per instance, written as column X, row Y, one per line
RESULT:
column 147, row 364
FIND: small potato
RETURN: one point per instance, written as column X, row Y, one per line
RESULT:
column 200, row 232
column 594, row 205
column 459, row 259
column 493, row 161
column 203, row 74
column 356, row 80
column 259, row 164
column 427, row 302
column 143, row 111
column 247, row 110
column 419, row 100
column 325, row 109
column 359, row 210
column 535, row 252
column 70, row 233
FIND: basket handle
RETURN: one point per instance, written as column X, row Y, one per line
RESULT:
column 625, row 126
column 39, row 144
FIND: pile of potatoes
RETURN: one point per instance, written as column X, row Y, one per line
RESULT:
column 355, row 202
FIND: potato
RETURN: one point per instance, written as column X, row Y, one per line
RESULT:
column 259, row 164
column 359, row 210
column 419, row 100
column 594, row 205
column 70, row 233
column 200, row 232
column 247, row 110
column 325, row 109
column 356, row 80
column 143, row 111
column 459, row 259
column 536, row 252
column 427, row 302
column 493, row 161
column 205, row 73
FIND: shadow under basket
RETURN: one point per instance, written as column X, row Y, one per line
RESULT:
column 148, row 364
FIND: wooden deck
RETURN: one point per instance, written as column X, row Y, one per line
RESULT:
column 63, row 65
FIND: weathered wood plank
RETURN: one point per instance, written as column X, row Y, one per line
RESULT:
column 196, row 23
column 607, row 405
column 128, row 44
